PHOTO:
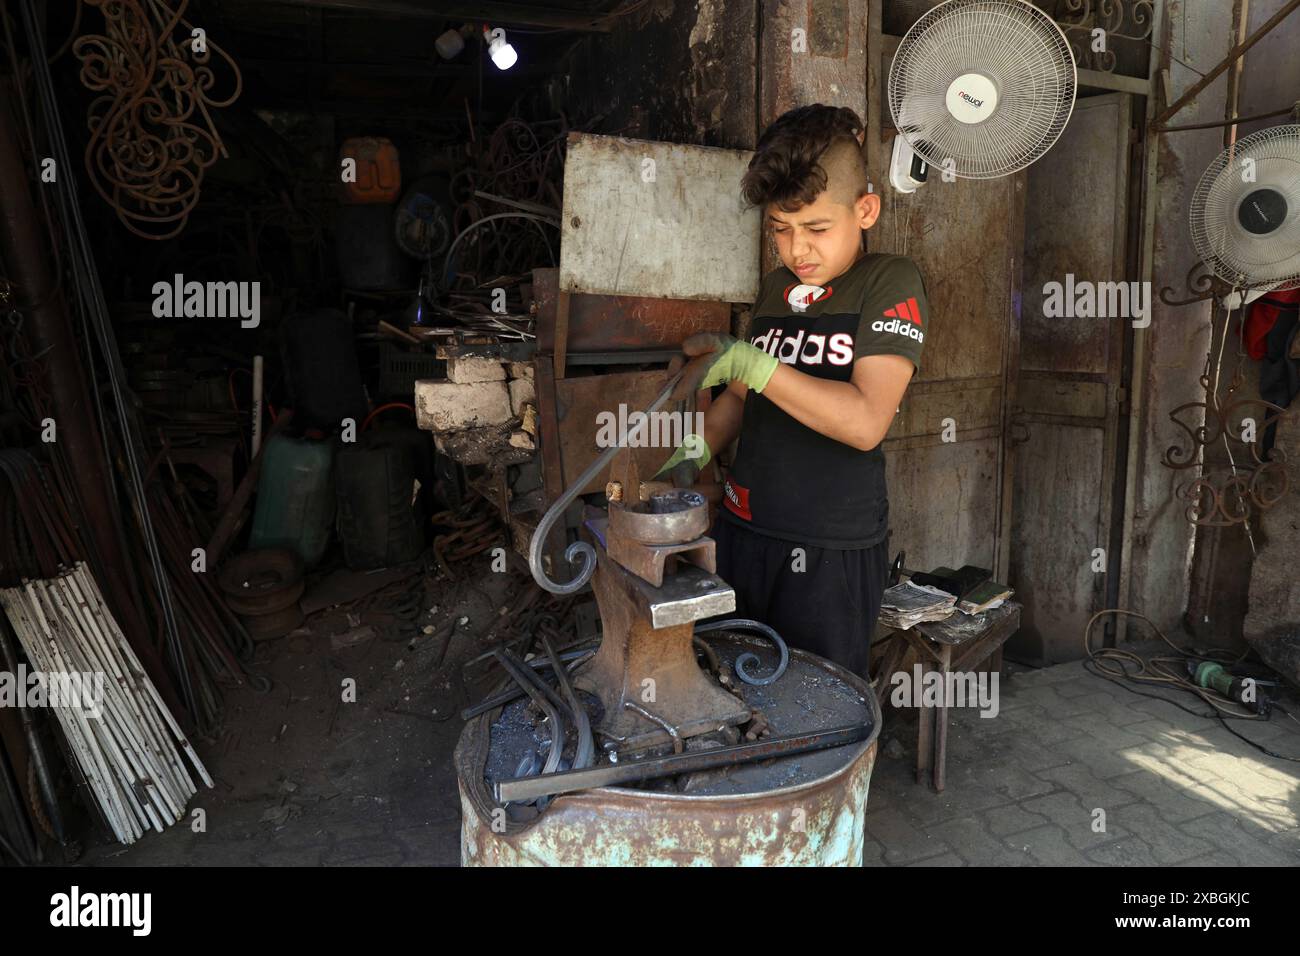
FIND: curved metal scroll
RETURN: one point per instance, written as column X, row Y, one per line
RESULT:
column 580, row 549
column 1220, row 500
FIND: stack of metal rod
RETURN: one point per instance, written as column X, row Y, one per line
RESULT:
column 152, row 586
column 124, row 740
column 88, row 295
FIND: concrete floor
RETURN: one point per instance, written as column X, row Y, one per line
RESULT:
column 305, row 779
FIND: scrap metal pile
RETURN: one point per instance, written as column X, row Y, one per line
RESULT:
column 199, row 640
column 506, row 222
column 507, row 216
column 97, row 534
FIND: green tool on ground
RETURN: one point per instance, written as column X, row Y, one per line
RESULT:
column 1214, row 677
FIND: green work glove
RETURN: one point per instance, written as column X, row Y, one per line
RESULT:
column 686, row 462
column 719, row 359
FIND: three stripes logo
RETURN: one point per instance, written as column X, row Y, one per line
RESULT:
column 904, row 319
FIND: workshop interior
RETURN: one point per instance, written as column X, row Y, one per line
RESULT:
column 343, row 351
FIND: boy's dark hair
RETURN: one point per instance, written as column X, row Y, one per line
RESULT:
column 793, row 160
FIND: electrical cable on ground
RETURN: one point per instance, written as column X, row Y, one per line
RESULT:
column 1113, row 664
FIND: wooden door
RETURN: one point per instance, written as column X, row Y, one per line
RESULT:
column 1065, row 426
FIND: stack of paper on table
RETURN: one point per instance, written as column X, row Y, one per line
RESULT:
column 907, row 604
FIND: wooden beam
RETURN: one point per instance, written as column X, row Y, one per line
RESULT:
column 400, row 69
column 371, row 108
column 1233, row 55
column 493, row 12
column 1115, row 81
column 395, row 72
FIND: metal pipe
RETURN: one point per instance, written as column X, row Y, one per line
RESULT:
column 580, row 549
column 36, row 753
column 1294, row 108
column 635, row 771
column 124, row 712
column 521, row 676
column 129, row 753
column 657, row 721
column 38, row 640
column 257, row 404
column 1240, row 19
column 124, row 647
column 586, row 748
column 95, row 310
column 50, row 331
column 506, row 697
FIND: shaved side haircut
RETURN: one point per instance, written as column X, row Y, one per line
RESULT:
column 806, row 151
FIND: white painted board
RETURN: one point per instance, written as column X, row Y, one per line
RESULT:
column 657, row 219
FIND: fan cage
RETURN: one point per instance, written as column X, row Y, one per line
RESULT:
column 1269, row 158
column 1020, row 49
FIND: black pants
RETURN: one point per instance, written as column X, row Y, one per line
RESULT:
column 825, row 601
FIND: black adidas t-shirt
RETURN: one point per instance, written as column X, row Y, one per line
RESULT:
column 789, row 481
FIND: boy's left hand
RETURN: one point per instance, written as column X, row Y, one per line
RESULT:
column 719, row 359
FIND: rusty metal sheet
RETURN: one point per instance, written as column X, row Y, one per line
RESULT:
column 959, row 235
column 657, row 219
column 609, row 323
column 579, row 403
column 608, row 827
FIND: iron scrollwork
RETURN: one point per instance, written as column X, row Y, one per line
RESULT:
column 152, row 134
column 1224, row 498
column 1120, row 19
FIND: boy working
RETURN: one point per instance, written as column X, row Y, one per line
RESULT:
column 835, row 340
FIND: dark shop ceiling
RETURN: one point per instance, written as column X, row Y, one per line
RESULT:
column 376, row 58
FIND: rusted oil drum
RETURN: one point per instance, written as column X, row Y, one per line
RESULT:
column 811, row 814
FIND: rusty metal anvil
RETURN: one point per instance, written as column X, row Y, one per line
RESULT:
column 649, row 600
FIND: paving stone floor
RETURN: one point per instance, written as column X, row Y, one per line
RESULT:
column 1077, row 771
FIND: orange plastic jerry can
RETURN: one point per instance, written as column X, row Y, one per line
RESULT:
column 377, row 176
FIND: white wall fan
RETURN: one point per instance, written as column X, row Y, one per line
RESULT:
column 1245, row 215
column 980, row 87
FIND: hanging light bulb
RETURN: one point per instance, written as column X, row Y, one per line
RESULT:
column 502, row 53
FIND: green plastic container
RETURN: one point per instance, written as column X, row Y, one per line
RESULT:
column 295, row 497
